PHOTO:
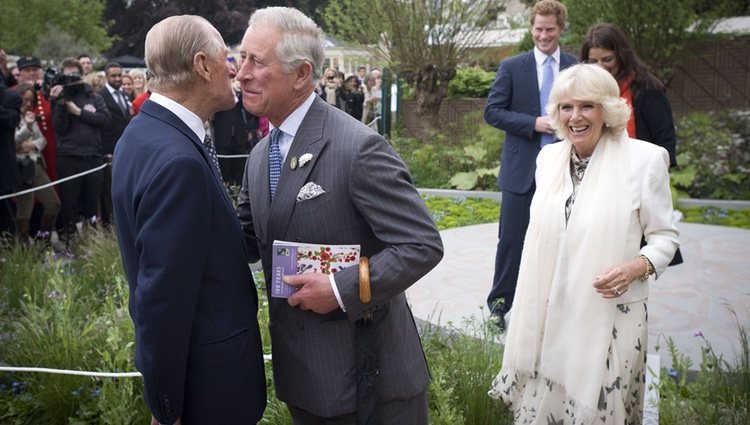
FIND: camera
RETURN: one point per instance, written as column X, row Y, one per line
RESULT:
column 72, row 83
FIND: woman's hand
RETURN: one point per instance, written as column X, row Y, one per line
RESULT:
column 26, row 147
column 29, row 119
column 615, row 281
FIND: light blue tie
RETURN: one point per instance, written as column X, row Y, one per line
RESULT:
column 274, row 161
column 548, row 78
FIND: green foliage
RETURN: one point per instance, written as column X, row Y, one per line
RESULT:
column 457, row 212
column 717, row 216
column 719, row 393
column 470, row 82
column 25, row 22
column 55, row 45
column 714, row 155
column 468, row 160
column 657, row 30
column 463, row 362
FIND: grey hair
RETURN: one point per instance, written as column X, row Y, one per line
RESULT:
column 590, row 83
column 172, row 44
column 302, row 38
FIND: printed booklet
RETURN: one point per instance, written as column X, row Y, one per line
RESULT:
column 298, row 258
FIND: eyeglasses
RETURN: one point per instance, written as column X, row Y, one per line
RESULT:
column 331, row 77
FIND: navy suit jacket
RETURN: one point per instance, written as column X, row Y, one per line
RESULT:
column 192, row 297
column 513, row 106
column 117, row 123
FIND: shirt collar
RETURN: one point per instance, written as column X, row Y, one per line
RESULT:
column 111, row 89
column 541, row 57
column 184, row 114
column 291, row 124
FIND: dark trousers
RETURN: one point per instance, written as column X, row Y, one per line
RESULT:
column 232, row 169
column 412, row 411
column 78, row 197
column 7, row 219
column 514, row 219
column 105, row 199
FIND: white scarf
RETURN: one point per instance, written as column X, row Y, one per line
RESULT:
column 560, row 326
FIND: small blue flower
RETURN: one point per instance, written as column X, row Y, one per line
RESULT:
column 698, row 334
column 672, row 372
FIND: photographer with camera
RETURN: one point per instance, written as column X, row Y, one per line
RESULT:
column 78, row 115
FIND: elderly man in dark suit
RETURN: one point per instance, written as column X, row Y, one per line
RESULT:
column 120, row 108
column 10, row 180
column 360, row 192
column 516, row 105
column 192, row 297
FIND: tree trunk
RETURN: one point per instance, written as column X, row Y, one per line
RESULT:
column 430, row 86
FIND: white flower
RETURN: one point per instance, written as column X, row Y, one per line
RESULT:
column 304, row 159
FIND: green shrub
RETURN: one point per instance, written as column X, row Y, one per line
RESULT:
column 457, row 212
column 470, row 82
column 714, row 155
column 468, row 160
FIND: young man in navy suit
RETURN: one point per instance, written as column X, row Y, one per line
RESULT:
column 192, row 298
column 514, row 106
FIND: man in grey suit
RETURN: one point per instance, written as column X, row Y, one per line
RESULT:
column 515, row 105
column 364, row 196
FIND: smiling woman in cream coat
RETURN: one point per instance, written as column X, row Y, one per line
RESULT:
column 576, row 345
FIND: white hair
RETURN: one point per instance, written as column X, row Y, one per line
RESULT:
column 301, row 40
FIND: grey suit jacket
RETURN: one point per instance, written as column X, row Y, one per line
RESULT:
column 370, row 201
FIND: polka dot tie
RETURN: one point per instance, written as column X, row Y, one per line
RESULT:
column 209, row 144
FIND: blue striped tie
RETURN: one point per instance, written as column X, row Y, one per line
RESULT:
column 548, row 78
column 274, row 161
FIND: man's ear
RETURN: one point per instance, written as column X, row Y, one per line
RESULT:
column 200, row 65
column 303, row 75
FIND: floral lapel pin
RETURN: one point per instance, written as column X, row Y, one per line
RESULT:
column 304, row 159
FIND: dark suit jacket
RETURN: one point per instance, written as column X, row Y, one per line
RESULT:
column 117, row 123
column 369, row 200
column 513, row 106
column 192, row 297
column 654, row 122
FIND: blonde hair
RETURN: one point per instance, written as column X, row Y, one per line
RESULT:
column 172, row 44
column 135, row 72
column 96, row 80
column 593, row 84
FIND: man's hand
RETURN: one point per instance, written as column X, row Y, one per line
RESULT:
column 54, row 92
column 314, row 292
column 542, row 125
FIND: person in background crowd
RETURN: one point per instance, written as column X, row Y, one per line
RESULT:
column 192, row 298
column 353, row 97
column 515, row 105
column 127, row 86
column 235, row 132
column 651, row 117
column 96, row 80
column 361, row 73
column 29, row 143
column 330, row 88
column 79, row 115
column 120, row 110
column 10, row 179
column 87, row 65
column 321, row 330
column 30, row 69
column 140, row 85
column 373, row 94
column 8, row 73
column 577, row 338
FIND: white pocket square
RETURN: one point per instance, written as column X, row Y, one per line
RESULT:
column 308, row 191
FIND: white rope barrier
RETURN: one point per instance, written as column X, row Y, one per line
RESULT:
column 56, row 182
column 266, row 358
column 70, row 372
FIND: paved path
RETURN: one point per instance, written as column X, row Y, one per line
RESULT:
column 689, row 298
